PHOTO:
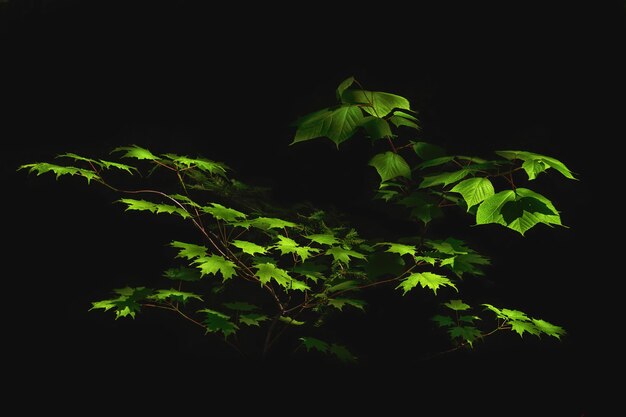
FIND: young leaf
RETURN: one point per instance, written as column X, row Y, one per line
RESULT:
column 390, row 165
column 44, row 167
column 340, row 254
column 342, row 353
column 138, row 205
column 399, row 248
column 136, row 152
column 425, row 279
column 249, row 247
column 339, row 303
column 218, row 322
column 313, row 343
column 175, row 295
column 467, row 333
column 252, row 319
column 474, row 190
column 287, row 245
column 268, row 271
column 428, row 151
column 337, row 124
column 122, row 167
column 202, row 164
column 323, row 239
column 182, row 274
column 376, row 103
column 548, row 328
column 220, row 212
column 345, row 84
column 457, row 305
column 189, row 251
column 531, row 169
column 445, row 178
column 521, row 327
column 213, row 264
column 267, row 223
column 291, row 321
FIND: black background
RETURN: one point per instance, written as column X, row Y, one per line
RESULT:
column 226, row 81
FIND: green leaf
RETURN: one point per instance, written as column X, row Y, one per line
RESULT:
column 169, row 209
column 376, row 103
column 267, row 223
column 175, row 295
column 323, row 239
column 268, row 271
column 340, row 303
column 445, row 178
column 520, row 327
column 44, row 167
column 384, row 264
column 287, row 245
column 443, row 321
column 342, row 353
column 435, row 162
column 345, row 84
column 427, row 151
column 337, row 124
column 189, row 250
column 213, row 264
column 549, row 328
column 341, row 254
column 249, row 247
column 291, row 321
column 376, row 128
column 310, row 270
column 531, row 169
column 218, row 322
column 240, row 306
column 202, row 164
column 220, row 212
column 344, row 286
column 182, row 274
column 474, row 190
column 469, row 319
column 399, row 248
column 467, row 333
column 425, row 279
column 122, row 167
column 252, row 319
column 423, row 206
column 457, row 305
column 138, row 205
column 313, row 343
column 136, row 152
column 518, row 210
column 126, row 304
column 428, row 259
column 514, row 314
column 390, row 165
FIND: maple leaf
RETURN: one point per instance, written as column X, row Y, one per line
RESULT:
column 514, row 314
column 339, row 303
column 521, row 326
column 549, row 328
column 240, row 306
column 169, row 209
column 184, row 199
column 249, row 247
column 213, row 264
column 126, row 304
column 138, row 205
column 287, row 245
column 467, row 333
column 443, row 321
column 189, row 250
column 344, row 286
column 342, row 353
column 425, row 279
column 399, row 248
column 218, row 322
column 202, row 164
column 310, row 270
column 136, row 152
column 457, row 305
column 220, row 212
column 313, row 343
column 58, row 170
column 182, row 274
column 117, row 165
column 268, row 271
column 175, row 295
column 341, row 254
column 323, row 239
column 428, row 259
column 267, row 223
column 252, row 319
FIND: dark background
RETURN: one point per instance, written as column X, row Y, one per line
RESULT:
column 226, row 81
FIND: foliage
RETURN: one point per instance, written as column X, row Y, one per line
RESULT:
column 294, row 269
